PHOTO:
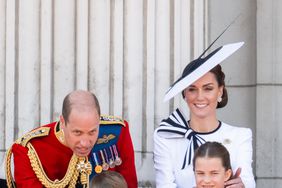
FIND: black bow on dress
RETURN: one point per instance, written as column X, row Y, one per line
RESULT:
column 175, row 126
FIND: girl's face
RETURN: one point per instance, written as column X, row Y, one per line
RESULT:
column 202, row 96
column 210, row 173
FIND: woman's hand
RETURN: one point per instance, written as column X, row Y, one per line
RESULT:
column 235, row 181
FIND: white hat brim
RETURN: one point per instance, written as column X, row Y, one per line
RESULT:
column 214, row 60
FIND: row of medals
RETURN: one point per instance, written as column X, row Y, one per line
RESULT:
column 107, row 162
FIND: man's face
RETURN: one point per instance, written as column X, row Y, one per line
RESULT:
column 81, row 131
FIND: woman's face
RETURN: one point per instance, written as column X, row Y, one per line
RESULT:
column 210, row 173
column 202, row 96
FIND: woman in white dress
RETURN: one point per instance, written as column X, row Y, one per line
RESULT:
column 203, row 88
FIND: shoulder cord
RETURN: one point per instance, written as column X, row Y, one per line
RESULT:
column 70, row 177
column 9, row 177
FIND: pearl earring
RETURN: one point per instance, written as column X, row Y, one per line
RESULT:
column 219, row 99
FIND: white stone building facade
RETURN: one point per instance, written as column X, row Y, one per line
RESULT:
column 128, row 52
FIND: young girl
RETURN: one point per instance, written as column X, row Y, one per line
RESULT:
column 108, row 179
column 211, row 165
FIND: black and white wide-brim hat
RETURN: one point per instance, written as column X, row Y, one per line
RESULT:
column 198, row 67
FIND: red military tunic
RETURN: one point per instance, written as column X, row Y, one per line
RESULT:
column 54, row 157
column 126, row 152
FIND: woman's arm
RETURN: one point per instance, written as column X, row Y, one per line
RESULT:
column 244, row 161
column 162, row 162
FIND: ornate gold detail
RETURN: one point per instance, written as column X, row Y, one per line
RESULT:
column 105, row 139
column 41, row 131
column 70, row 176
column 84, row 167
column 98, row 169
column 9, row 177
column 106, row 119
column 77, row 165
column 60, row 135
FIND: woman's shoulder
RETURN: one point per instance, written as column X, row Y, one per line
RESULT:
column 231, row 129
column 234, row 136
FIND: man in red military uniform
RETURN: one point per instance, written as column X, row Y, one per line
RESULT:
column 114, row 150
column 55, row 155
column 51, row 152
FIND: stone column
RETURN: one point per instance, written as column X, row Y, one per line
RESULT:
column 269, row 92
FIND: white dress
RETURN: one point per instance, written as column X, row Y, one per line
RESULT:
column 170, row 150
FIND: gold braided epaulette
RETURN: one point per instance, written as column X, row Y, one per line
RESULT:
column 111, row 120
column 39, row 132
